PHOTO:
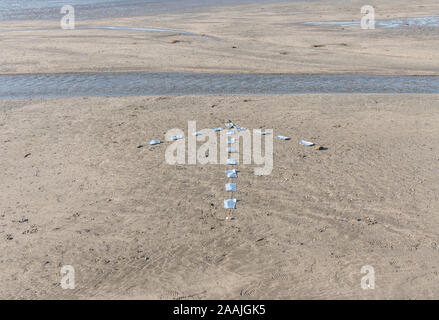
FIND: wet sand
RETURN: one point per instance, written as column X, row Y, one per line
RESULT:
column 76, row 189
column 134, row 226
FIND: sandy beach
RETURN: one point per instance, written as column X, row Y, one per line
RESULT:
column 267, row 38
column 81, row 187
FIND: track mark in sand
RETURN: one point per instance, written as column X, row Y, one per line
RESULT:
column 250, row 290
column 170, row 294
column 195, row 296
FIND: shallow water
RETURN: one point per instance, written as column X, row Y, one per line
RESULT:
column 144, row 84
column 418, row 22
column 95, row 9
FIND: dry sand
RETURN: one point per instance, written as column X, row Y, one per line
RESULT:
column 135, row 227
column 253, row 38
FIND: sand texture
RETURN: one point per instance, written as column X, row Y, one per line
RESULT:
column 267, row 38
